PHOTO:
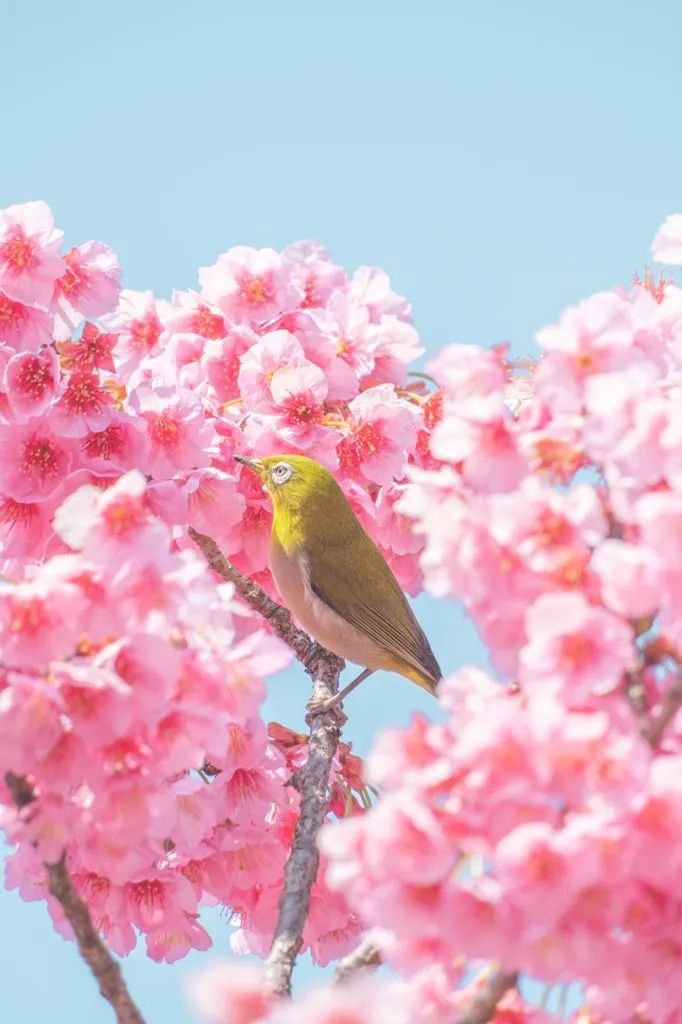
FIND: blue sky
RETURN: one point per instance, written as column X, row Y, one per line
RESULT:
column 500, row 160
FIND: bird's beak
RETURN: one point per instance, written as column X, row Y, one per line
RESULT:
column 251, row 463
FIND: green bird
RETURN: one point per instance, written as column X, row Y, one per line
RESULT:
column 334, row 579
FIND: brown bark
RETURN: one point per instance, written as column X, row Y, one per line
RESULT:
column 484, row 1003
column 365, row 957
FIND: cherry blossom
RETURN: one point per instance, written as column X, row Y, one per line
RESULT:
column 30, row 263
column 251, row 285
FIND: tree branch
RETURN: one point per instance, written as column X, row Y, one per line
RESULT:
column 364, row 957
column 484, row 1002
column 306, row 650
column 300, row 870
column 96, row 955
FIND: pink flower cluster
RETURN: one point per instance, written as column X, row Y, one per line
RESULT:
column 129, row 697
column 541, row 824
column 235, row 994
column 278, row 352
column 124, row 669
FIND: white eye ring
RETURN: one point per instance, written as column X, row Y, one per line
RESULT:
column 281, row 472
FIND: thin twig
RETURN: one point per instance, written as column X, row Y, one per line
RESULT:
column 636, row 693
column 364, row 958
column 96, row 955
column 300, row 870
column 484, row 1002
column 655, row 726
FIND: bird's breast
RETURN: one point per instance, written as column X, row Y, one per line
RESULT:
column 291, row 572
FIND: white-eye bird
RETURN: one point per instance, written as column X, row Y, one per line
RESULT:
column 334, row 579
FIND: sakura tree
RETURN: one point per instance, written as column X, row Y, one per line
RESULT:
column 534, row 831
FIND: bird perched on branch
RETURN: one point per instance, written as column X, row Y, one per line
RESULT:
column 333, row 577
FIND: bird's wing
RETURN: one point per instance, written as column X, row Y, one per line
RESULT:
column 386, row 617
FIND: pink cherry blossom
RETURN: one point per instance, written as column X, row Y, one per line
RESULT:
column 658, row 515
column 380, row 436
column 482, row 439
column 83, row 407
column 33, row 460
column 31, row 383
column 138, row 327
column 395, row 344
column 92, row 351
column 342, row 383
column 297, row 409
column 215, row 505
column 115, row 515
column 591, row 338
column 583, row 648
column 30, row 263
column 371, row 287
column 318, row 275
column 222, row 360
column 190, row 314
column 230, row 994
column 630, row 578
column 22, row 326
column 177, row 432
column 347, row 326
column 250, row 285
column 89, row 286
column 118, row 446
column 468, row 371
column 24, row 527
column 39, row 621
column 275, row 351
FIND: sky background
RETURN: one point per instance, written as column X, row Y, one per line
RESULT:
column 499, row 160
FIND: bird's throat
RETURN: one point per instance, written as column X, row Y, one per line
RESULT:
column 287, row 531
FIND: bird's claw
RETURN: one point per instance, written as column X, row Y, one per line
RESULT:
column 316, row 707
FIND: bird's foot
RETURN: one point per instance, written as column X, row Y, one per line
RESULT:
column 320, row 707
column 317, row 707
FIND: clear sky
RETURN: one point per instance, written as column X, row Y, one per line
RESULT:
column 499, row 159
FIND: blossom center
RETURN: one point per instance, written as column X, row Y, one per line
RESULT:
column 83, row 395
column 35, row 376
column 148, row 893
column 208, row 325
column 105, row 443
column 41, row 456
column 145, row 333
column 165, row 432
column 123, row 516
column 18, row 251
column 577, row 650
column 11, row 313
column 254, row 290
column 28, row 616
column 69, row 281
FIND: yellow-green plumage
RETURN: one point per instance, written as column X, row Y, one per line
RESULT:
column 334, row 578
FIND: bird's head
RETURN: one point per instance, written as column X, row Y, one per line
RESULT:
column 291, row 480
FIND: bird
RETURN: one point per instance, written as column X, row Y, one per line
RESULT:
column 333, row 577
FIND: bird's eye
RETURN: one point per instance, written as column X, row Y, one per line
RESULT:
column 281, row 472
